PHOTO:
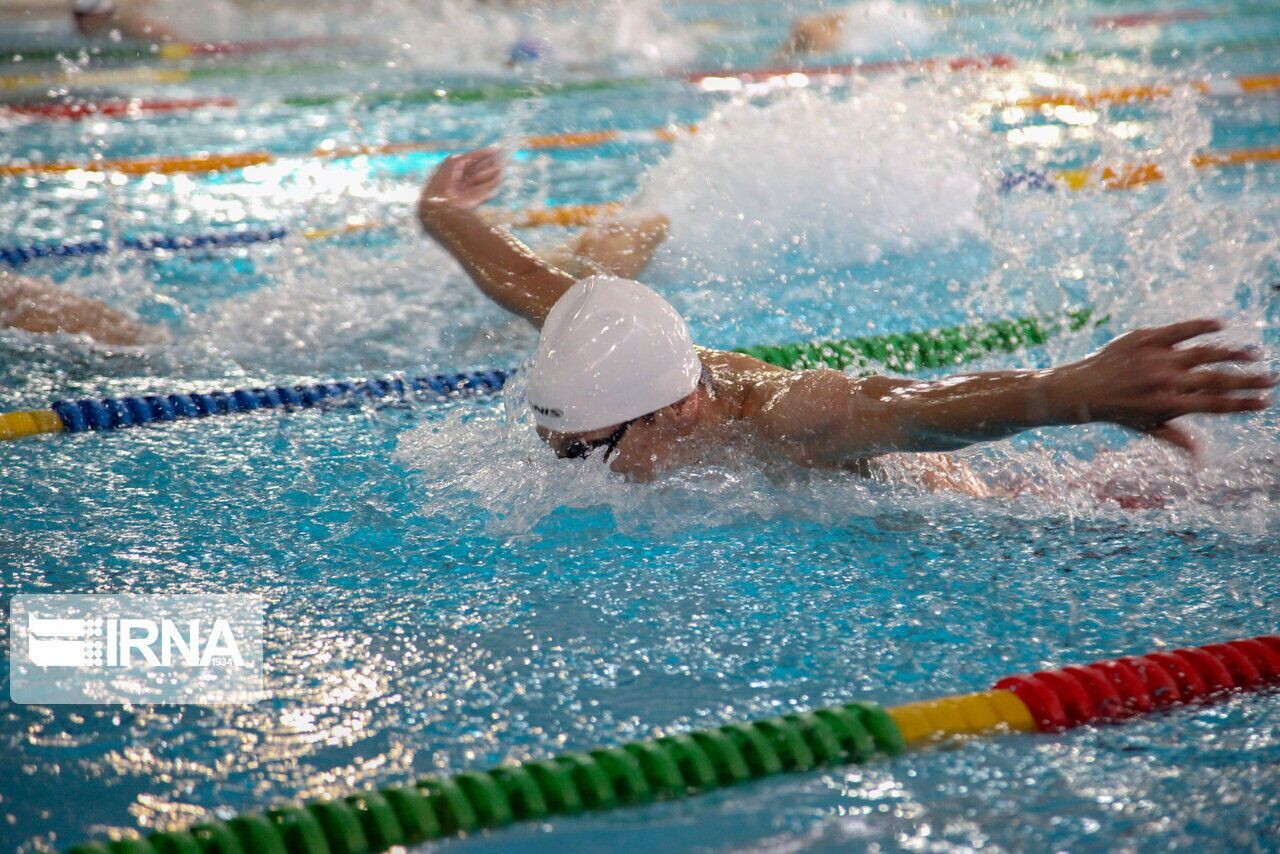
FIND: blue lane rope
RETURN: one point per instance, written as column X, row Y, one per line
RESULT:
column 113, row 413
column 17, row 256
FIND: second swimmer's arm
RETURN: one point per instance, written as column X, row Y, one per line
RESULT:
column 506, row 270
column 1141, row 380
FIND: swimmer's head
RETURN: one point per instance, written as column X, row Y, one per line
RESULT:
column 527, row 50
column 93, row 7
column 612, row 353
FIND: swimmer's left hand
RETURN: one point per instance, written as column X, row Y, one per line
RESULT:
column 465, row 180
column 1146, row 378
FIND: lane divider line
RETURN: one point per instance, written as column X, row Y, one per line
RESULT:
column 111, row 109
column 205, row 163
column 169, row 51
column 909, row 351
column 167, row 76
column 1122, row 177
column 1147, row 19
column 1244, row 85
column 684, row 764
column 145, row 75
column 558, row 216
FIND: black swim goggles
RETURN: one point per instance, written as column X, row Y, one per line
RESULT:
column 580, row 449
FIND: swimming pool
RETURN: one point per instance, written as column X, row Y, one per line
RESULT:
column 443, row 595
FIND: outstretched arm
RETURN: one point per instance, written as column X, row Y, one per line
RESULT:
column 1141, row 380
column 507, row 271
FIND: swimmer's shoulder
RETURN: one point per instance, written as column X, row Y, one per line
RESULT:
column 739, row 364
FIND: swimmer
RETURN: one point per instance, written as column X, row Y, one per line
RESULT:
column 621, row 247
column 528, row 50
column 94, row 18
column 813, row 34
column 856, row 28
column 616, row 377
column 41, row 307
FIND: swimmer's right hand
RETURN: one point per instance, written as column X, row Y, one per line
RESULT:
column 463, row 181
column 1145, row 379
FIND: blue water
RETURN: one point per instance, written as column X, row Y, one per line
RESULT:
column 442, row 596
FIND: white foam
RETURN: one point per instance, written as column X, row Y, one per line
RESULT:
column 839, row 180
column 882, row 26
column 458, row 35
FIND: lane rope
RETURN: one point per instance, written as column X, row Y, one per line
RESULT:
column 1121, row 177
column 830, row 74
column 169, row 76
column 552, row 216
column 688, row 763
column 733, row 79
column 909, row 351
column 1242, row 85
column 166, row 51
column 166, row 76
column 111, row 109
column 204, row 163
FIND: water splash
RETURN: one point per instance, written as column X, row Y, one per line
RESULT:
column 826, row 180
column 882, row 27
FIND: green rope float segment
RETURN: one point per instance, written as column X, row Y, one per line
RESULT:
column 917, row 351
column 439, row 94
column 634, row 774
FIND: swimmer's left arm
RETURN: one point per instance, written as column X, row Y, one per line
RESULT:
column 507, row 271
column 1142, row 380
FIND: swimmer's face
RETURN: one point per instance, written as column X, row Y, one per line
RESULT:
column 634, row 448
column 603, row 443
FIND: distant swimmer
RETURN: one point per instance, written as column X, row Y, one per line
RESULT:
column 528, row 50
column 869, row 26
column 97, row 18
column 617, row 378
column 41, row 307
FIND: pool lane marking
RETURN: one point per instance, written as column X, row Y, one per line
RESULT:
column 1243, row 85
column 561, row 216
column 169, row 51
column 1130, row 176
column 167, row 76
column 1121, row 177
column 1147, row 19
column 710, row 79
column 904, row 352
column 217, row 162
column 686, row 763
column 1252, row 84
column 211, row 162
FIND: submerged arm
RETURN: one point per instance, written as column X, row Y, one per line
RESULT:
column 507, row 271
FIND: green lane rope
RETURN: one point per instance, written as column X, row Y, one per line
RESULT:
column 915, row 351
column 497, row 92
column 633, row 774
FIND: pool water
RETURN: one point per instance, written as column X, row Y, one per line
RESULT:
column 443, row 594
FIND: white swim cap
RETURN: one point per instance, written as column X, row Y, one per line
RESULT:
column 93, row 7
column 611, row 350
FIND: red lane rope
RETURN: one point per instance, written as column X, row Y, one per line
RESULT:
column 959, row 63
column 262, row 46
column 1146, row 19
column 113, row 109
column 1123, row 687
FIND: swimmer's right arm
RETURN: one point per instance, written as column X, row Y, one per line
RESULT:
column 507, row 271
column 1141, row 380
